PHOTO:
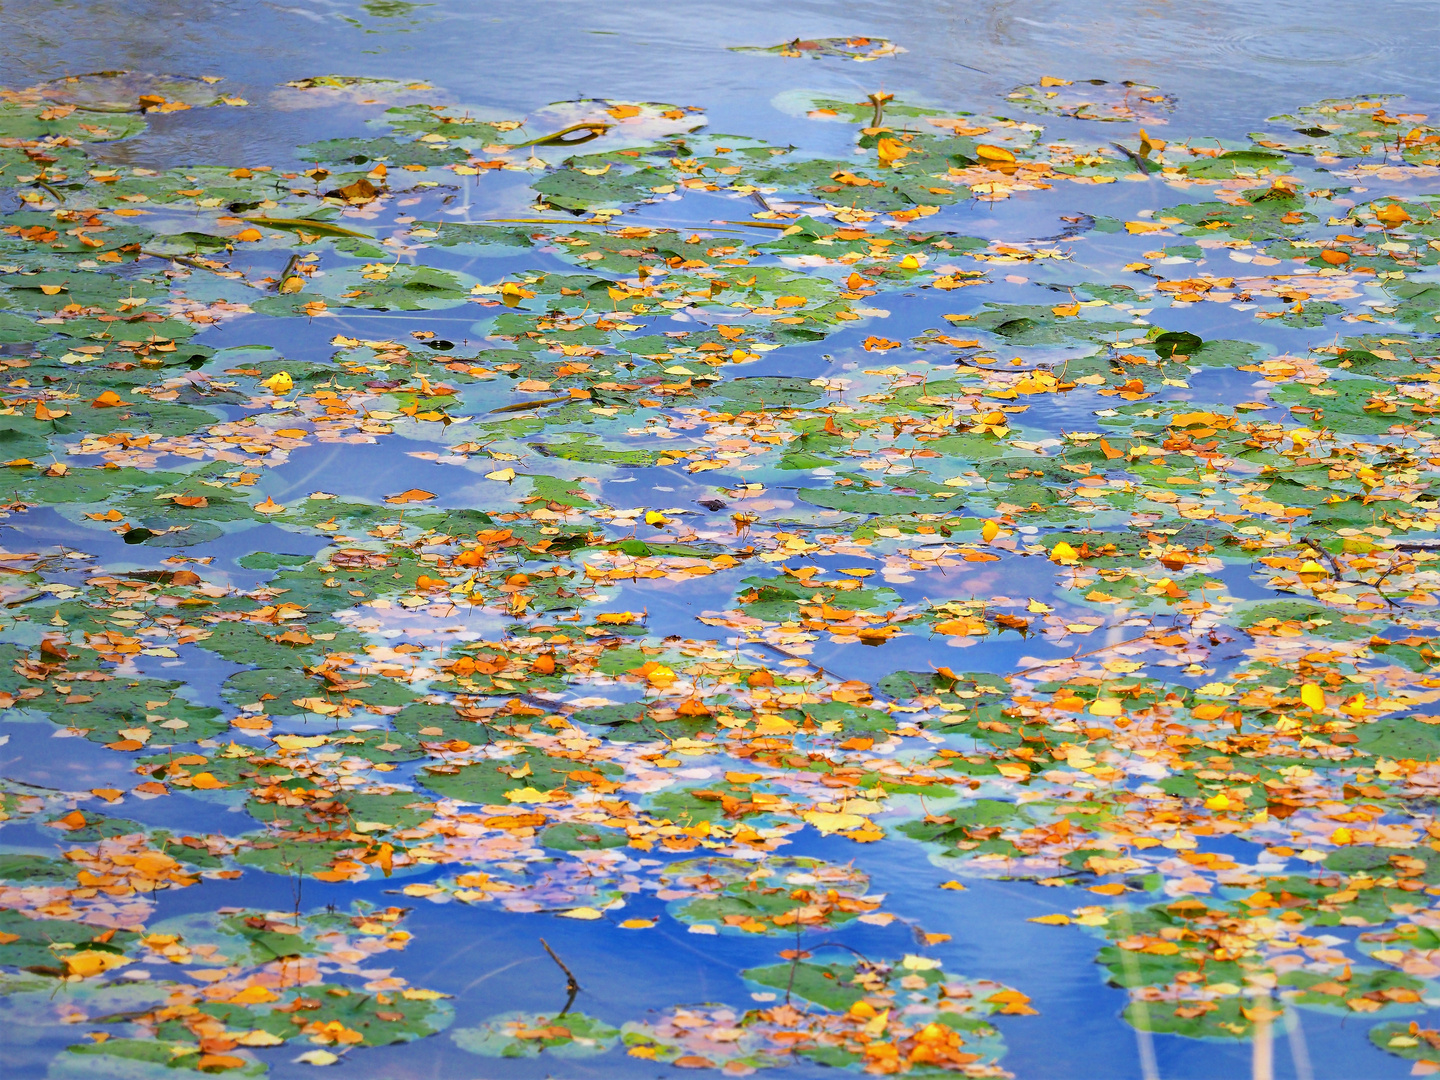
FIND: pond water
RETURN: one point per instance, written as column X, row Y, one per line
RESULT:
column 561, row 541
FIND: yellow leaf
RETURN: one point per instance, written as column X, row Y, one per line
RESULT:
column 774, row 725
column 1355, row 706
column 503, row 475
column 1051, row 920
column 90, row 962
column 891, row 150
column 985, row 152
column 1062, row 552
column 254, row 995
column 258, row 1038
column 299, row 742
column 527, row 795
column 637, row 924
column 1013, row 1002
column 911, row 962
column 269, row 506
column 1313, row 696
column 989, row 531
column 830, row 823
column 580, row 913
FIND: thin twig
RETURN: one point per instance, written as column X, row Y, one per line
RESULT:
column 794, row 964
column 1380, row 580
column 1328, row 557
column 571, row 986
column 1140, row 162
column 183, row 260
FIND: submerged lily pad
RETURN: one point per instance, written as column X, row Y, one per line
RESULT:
column 851, row 48
column 524, row 1035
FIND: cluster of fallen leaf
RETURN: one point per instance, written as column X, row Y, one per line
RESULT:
column 492, row 688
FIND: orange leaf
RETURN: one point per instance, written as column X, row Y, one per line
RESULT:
column 71, row 821
column 219, row 1062
column 985, row 152
column 890, row 151
column 1392, row 215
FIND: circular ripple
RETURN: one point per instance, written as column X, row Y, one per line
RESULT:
column 1308, row 45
